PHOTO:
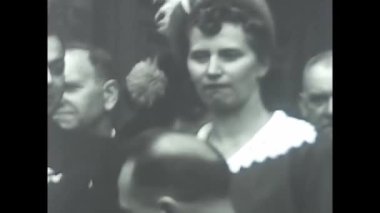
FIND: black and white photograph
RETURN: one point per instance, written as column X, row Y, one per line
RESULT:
column 189, row 106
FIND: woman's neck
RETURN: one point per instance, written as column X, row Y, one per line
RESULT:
column 232, row 130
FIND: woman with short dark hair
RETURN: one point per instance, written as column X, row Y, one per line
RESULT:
column 226, row 46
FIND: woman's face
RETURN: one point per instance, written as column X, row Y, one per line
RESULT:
column 224, row 68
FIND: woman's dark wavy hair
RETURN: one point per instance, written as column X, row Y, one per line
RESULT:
column 209, row 15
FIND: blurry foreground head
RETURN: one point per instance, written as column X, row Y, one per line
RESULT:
column 174, row 173
column 316, row 97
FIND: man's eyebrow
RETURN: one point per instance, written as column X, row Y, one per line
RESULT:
column 57, row 60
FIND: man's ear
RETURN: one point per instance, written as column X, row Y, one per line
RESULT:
column 263, row 68
column 110, row 94
column 168, row 205
column 263, row 72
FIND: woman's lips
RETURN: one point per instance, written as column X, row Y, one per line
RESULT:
column 216, row 86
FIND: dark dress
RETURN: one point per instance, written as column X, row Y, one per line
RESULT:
column 297, row 182
column 312, row 176
column 283, row 168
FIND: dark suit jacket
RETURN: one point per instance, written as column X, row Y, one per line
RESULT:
column 89, row 174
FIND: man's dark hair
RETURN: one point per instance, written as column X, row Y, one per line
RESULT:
column 182, row 173
column 56, row 19
column 100, row 58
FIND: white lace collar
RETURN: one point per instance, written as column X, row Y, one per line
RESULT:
column 275, row 138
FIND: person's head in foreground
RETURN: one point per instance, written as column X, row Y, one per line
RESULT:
column 316, row 97
column 91, row 91
column 173, row 173
column 228, row 45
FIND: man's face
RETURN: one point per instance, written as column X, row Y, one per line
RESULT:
column 316, row 99
column 82, row 104
column 55, row 72
column 224, row 68
column 130, row 199
column 162, row 16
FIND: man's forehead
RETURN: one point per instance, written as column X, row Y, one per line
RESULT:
column 55, row 48
column 318, row 77
column 81, row 54
column 78, row 65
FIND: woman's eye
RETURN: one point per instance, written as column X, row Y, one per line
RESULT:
column 230, row 54
column 200, row 56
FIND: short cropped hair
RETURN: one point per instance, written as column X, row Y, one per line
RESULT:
column 100, row 58
column 324, row 58
column 187, row 177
